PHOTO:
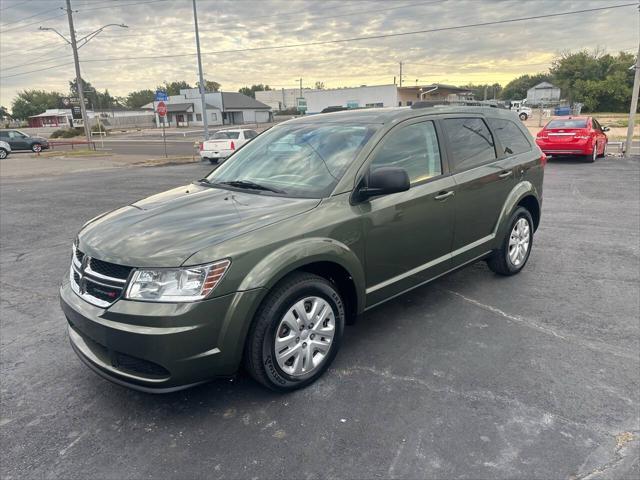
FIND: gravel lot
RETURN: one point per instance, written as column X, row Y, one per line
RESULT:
column 473, row 376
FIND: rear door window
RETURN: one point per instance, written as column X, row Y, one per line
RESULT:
column 414, row 148
column 226, row 135
column 470, row 142
column 511, row 137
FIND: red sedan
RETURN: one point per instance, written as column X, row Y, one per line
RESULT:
column 582, row 136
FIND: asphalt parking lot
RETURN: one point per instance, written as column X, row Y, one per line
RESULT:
column 473, row 376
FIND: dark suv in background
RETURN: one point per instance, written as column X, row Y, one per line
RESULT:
column 309, row 225
column 21, row 141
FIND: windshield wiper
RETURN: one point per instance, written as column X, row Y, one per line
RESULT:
column 250, row 185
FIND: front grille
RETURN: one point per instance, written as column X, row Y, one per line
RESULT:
column 106, row 294
column 98, row 282
column 110, row 269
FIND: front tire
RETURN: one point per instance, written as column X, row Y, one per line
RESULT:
column 296, row 333
column 3, row 153
column 36, row 148
column 515, row 249
column 523, row 116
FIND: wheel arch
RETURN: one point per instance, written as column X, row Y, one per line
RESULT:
column 325, row 257
column 523, row 194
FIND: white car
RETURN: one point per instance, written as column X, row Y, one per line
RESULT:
column 224, row 142
column 5, row 149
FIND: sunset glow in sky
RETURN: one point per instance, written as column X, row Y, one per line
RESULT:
column 159, row 28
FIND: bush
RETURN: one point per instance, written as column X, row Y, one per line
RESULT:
column 99, row 128
column 56, row 134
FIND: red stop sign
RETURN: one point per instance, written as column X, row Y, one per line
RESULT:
column 161, row 108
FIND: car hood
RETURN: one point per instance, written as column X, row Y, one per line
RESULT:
column 164, row 230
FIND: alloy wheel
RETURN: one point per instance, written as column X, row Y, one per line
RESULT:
column 519, row 242
column 304, row 336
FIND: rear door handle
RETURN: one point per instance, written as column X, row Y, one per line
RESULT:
column 504, row 174
column 444, row 195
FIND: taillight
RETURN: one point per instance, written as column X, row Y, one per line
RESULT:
column 233, row 145
column 582, row 134
column 542, row 134
column 201, row 146
column 543, row 159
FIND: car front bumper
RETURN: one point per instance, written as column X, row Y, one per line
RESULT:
column 160, row 347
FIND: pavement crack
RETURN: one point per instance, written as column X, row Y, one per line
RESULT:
column 620, row 451
column 597, row 346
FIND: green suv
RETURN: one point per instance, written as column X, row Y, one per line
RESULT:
column 315, row 221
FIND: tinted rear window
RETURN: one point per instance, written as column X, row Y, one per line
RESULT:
column 578, row 123
column 511, row 137
column 470, row 141
column 226, row 135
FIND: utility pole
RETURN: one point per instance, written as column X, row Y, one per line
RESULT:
column 205, row 120
column 400, row 73
column 634, row 106
column 301, row 88
column 79, row 82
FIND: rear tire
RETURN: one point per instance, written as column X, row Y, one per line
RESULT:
column 592, row 158
column 270, row 330
column 523, row 116
column 510, row 258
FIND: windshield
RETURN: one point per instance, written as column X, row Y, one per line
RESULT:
column 296, row 160
column 226, row 135
column 577, row 123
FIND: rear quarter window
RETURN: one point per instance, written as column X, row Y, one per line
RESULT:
column 510, row 136
column 470, row 142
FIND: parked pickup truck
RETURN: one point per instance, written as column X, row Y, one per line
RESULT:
column 224, row 143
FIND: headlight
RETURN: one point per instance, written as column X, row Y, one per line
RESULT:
column 176, row 284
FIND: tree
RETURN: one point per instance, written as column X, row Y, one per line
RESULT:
column 319, row 85
column 4, row 113
column 96, row 99
column 138, row 98
column 602, row 82
column 173, row 88
column 517, row 88
column 209, row 86
column 479, row 90
column 251, row 91
column 33, row 102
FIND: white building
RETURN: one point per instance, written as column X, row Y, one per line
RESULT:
column 543, row 93
column 362, row 97
column 223, row 108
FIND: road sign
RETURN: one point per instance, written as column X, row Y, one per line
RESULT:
column 76, row 112
column 161, row 109
column 161, row 96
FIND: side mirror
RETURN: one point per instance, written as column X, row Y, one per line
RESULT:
column 383, row 181
column 605, row 129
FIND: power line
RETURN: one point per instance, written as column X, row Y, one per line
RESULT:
column 13, row 6
column 38, row 70
column 36, row 60
column 80, row 10
column 238, row 27
column 345, row 40
column 370, row 37
column 30, row 16
column 33, row 23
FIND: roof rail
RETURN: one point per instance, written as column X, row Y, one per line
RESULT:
column 444, row 103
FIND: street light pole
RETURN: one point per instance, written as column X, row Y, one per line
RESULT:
column 205, row 120
column 79, row 84
column 634, row 106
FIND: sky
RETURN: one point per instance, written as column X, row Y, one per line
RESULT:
column 163, row 30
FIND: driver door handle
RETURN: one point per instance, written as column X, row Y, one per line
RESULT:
column 505, row 174
column 444, row 195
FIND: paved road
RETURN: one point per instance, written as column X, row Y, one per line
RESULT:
column 152, row 148
column 473, row 376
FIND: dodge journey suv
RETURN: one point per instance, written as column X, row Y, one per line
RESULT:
column 315, row 221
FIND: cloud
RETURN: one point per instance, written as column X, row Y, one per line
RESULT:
column 481, row 54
